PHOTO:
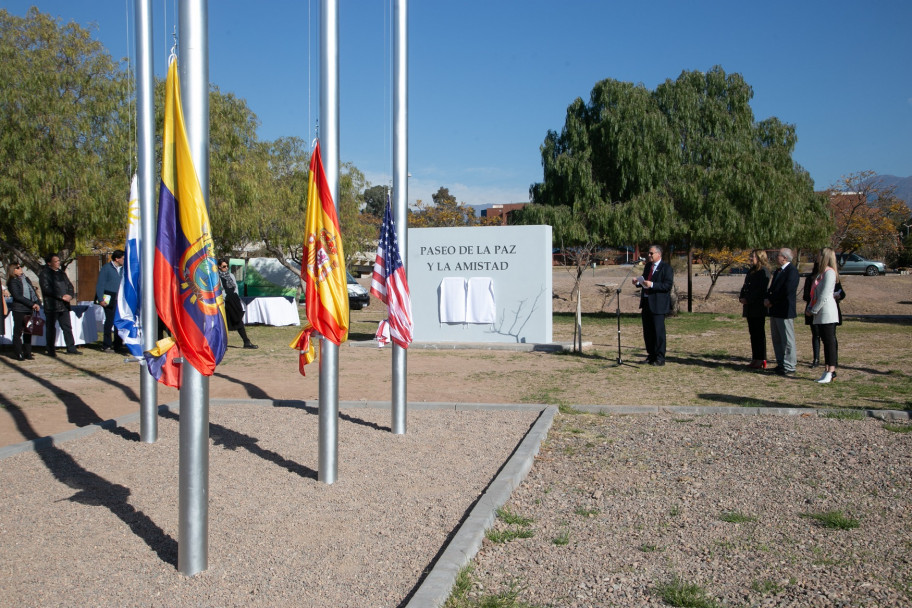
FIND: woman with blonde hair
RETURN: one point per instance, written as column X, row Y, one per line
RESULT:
column 822, row 307
column 752, row 295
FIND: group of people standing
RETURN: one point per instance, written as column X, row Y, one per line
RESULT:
column 58, row 295
column 775, row 296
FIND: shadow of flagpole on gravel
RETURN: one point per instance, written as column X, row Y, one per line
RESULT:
column 128, row 391
column 253, row 391
column 78, row 411
column 230, row 439
column 302, row 405
column 94, row 490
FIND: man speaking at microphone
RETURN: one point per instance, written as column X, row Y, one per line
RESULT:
column 655, row 283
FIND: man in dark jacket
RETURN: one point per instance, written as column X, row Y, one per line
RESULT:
column 655, row 303
column 25, row 302
column 780, row 300
column 106, row 295
column 58, row 292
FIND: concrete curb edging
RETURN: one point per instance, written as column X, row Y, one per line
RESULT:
column 697, row 410
column 438, row 584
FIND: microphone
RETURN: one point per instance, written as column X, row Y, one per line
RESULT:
column 642, row 259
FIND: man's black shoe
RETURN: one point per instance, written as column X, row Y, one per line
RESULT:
column 781, row 371
column 657, row 362
column 73, row 352
column 250, row 345
column 51, row 353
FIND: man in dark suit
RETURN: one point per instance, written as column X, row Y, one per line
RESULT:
column 106, row 289
column 655, row 303
column 780, row 300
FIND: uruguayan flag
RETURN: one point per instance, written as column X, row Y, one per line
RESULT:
column 126, row 317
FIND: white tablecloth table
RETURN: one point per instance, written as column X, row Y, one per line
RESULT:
column 272, row 311
column 97, row 310
column 83, row 321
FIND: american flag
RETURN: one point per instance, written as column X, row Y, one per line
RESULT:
column 389, row 283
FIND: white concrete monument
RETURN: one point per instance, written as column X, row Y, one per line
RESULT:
column 484, row 284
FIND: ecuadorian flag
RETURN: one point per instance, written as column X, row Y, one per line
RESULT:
column 188, row 293
column 323, row 262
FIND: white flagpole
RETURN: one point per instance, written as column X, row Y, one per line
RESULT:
column 329, row 149
column 145, row 155
column 400, row 205
column 193, row 475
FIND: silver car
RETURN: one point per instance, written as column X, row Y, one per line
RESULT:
column 855, row 264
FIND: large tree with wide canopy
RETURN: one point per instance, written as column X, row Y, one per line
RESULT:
column 685, row 165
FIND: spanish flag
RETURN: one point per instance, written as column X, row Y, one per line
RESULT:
column 188, row 293
column 323, row 261
column 305, row 348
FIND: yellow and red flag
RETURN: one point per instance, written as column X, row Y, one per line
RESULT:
column 305, row 348
column 323, row 261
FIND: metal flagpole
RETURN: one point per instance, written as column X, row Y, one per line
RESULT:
column 145, row 156
column 400, row 191
column 193, row 525
column 329, row 148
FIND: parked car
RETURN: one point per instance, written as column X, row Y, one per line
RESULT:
column 853, row 263
column 358, row 296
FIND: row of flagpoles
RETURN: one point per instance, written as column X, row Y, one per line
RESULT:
column 188, row 294
column 184, row 278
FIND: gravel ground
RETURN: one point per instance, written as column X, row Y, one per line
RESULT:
column 638, row 500
column 94, row 521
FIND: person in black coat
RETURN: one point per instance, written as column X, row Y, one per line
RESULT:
column 234, row 308
column 58, row 293
column 753, row 292
column 780, row 300
column 656, row 283
column 25, row 302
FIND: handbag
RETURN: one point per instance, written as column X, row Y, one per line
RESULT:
column 34, row 325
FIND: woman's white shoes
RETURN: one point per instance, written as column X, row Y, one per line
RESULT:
column 826, row 378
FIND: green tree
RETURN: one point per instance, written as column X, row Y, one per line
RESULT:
column 254, row 187
column 445, row 212
column 65, row 145
column 243, row 195
column 281, row 221
column 684, row 165
column 375, row 200
column 359, row 229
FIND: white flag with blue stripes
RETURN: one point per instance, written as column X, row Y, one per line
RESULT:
column 126, row 317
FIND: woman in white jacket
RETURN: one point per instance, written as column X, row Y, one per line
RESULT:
column 824, row 311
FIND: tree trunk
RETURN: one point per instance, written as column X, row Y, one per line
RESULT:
column 712, row 284
column 690, row 259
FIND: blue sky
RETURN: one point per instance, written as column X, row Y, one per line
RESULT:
column 489, row 78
